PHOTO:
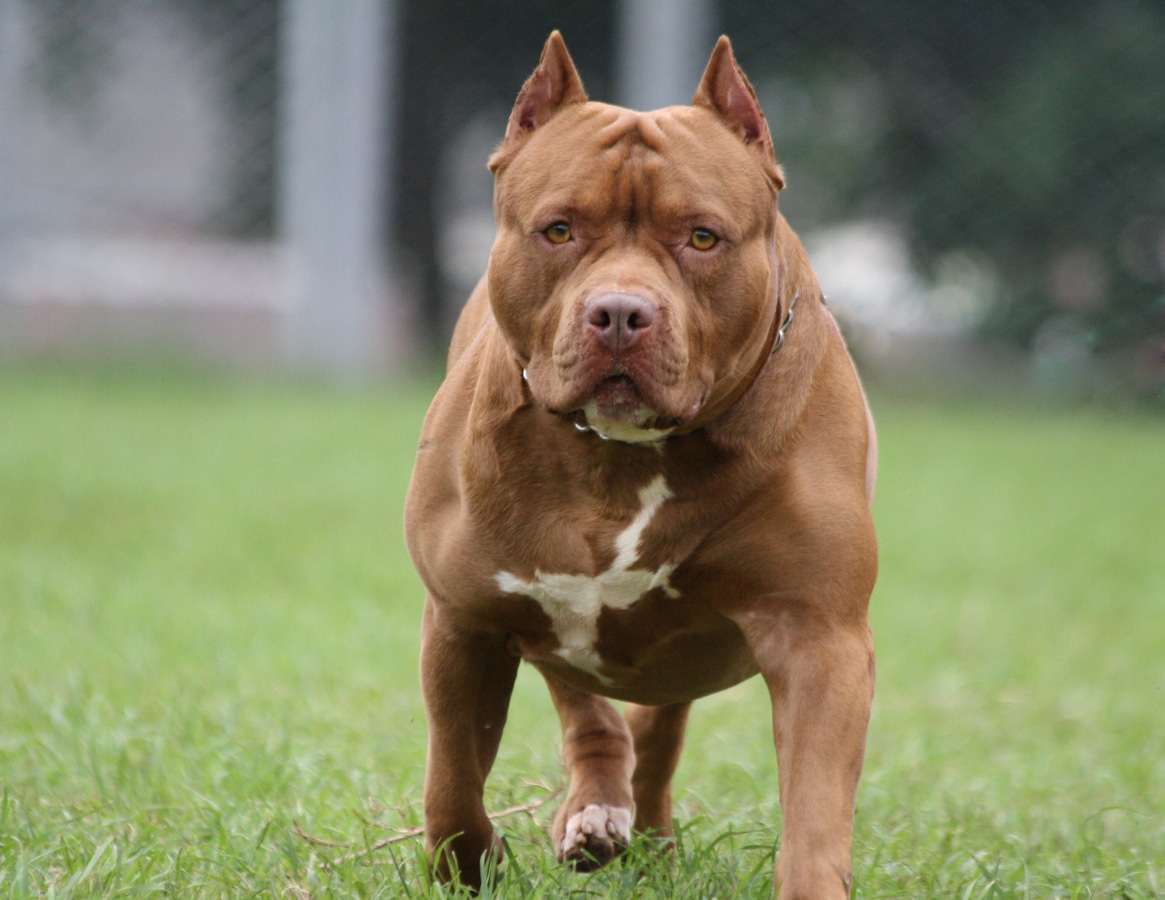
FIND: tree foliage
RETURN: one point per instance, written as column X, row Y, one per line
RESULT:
column 1030, row 136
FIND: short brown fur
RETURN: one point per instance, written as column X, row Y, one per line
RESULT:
column 747, row 461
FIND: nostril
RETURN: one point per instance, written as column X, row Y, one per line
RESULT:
column 599, row 316
column 638, row 314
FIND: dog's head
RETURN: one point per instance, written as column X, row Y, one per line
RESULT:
column 634, row 273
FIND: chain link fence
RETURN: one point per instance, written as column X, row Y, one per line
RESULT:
column 138, row 177
column 143, row 114
column 993, row 173
column 1014, row 152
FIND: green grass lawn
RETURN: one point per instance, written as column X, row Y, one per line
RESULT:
column 208, row 650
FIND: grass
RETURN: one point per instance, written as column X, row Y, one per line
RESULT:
column 208, row 649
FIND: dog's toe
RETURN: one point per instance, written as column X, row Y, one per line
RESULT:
column 594, row 836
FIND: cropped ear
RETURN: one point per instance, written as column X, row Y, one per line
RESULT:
column 554, row 84
column 726, row 91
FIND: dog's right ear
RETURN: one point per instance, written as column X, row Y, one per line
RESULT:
column 554, row 84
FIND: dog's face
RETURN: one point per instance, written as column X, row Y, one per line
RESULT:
column 634, row 271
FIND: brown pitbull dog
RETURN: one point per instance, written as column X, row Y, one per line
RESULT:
column 646, row 477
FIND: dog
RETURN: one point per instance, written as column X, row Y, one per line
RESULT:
column 648, row 473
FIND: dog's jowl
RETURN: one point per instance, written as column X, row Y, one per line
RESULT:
column 647, row 474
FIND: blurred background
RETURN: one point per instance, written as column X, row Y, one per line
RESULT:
column 297, row 185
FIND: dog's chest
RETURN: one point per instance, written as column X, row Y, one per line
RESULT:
column 574, row 602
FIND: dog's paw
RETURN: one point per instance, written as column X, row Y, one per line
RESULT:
column 594, row 836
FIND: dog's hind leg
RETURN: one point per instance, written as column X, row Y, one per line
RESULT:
column 658, row 732
column 594, row 824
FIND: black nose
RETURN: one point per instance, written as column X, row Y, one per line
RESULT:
column 620, row 320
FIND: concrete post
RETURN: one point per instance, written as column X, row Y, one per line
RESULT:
column 338, row 60
column 662, row 48
column 13, row 58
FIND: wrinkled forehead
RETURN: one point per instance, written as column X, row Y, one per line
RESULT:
column 671, row 159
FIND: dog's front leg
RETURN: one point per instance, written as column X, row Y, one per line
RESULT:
column 466, row 677
column 820, row 675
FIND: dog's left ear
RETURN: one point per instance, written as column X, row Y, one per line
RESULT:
column 726, row 91
column 554, row 84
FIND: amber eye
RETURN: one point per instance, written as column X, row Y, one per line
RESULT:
column 558, row 233
column 703, row 239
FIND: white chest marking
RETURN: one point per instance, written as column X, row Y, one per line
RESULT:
column 573, row 602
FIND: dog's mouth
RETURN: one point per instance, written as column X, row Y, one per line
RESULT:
column 617, row 399
column 616, row 410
